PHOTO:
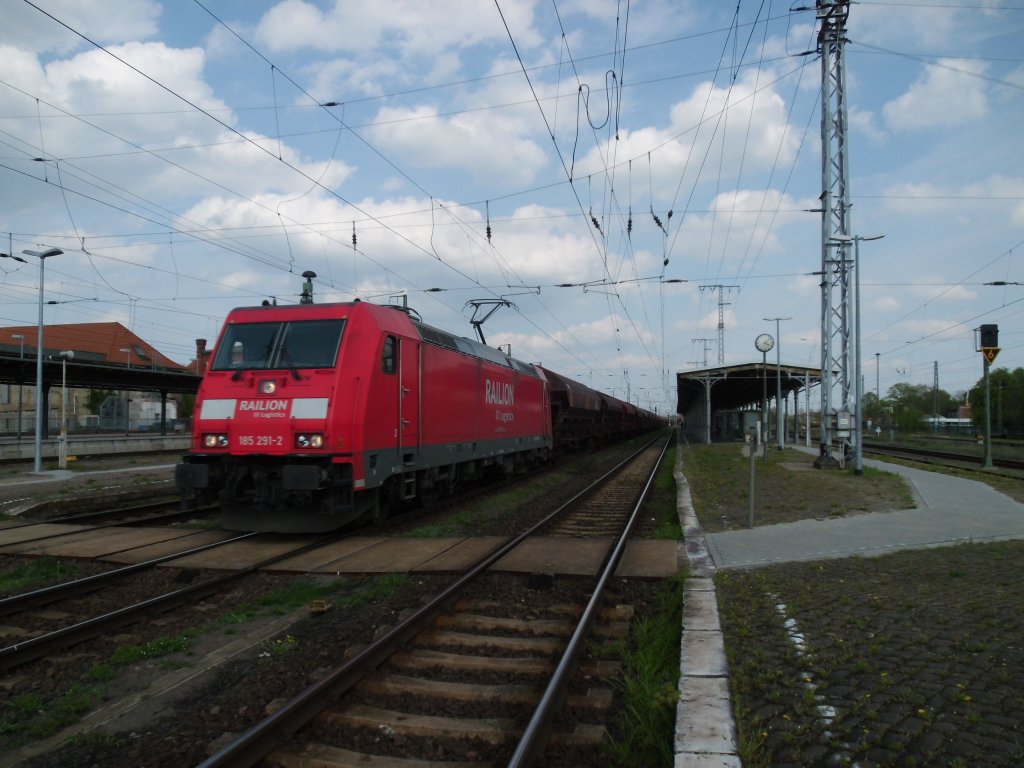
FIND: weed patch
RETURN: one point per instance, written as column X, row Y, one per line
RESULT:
column 642, row 737
column 23, row 575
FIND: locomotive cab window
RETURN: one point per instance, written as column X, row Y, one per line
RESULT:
column 267, row 346
column 388, row 355
column 310, row 344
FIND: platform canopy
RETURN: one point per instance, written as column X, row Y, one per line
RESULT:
column 736, row 387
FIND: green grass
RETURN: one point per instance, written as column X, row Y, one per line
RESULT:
column 27, row 718
column 162, row 646
column 786, row 488
column 661, row 503
column 380, row 588
column 643, row 735
column 24, row 575
column 342, row 593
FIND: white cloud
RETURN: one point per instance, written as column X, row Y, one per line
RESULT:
column 750, row 119
column 947, row 93
column 882, row 303
column 942, row 292
column 32, row 30
column 866, row 123
column 407, row 27
column 472, row 142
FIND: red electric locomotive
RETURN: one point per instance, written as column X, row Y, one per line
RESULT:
column 311, row 416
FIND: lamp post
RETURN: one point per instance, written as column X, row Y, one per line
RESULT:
column 127, row 394
column 763, row 343
column 858, row 384
column 42, row 256
column 62, row 454
column 877, row 395
column 779, row 432
column 21, row 386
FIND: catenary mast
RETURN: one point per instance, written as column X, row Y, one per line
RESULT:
column 837, row 386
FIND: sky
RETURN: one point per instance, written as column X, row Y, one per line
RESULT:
column 622, row 174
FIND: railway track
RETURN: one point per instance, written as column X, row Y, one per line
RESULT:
column 68, row 621
column 470, row 678
column 949, row 458
column 160, row 512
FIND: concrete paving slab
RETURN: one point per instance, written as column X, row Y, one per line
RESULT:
column 694, row 760
column 703, row 654
column 242, row 554
column 704, row 730
column 649, row 559
column 114, row 540
column 557, row 554
column 695, row 689
column 21, row 540
column 459, row 556
column 700, row 611
column 392, row 555
column 191, row 540
column 326, row 560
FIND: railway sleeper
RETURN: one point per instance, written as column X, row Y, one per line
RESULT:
column 391, row 684
column 326, row 756
column 494, row 731
column 423, row 659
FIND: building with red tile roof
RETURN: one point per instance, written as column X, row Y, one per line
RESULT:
column 94, row 342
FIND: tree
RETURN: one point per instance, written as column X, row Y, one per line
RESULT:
column 186, row 406
column 912, row 403
column 1007, row 393
column 95, row 397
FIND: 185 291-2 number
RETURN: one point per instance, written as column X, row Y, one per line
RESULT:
column 261, row 441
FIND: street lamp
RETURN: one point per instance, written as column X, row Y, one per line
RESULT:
column 858, row 385
column 763, row 343
column 62, row 460
column 779, row 432
column 42, row 256
column 21, row 375
column 127, row 395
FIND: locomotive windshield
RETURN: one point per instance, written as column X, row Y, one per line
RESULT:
column 266, row 346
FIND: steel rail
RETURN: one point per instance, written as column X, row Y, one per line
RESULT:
column 80, row 517
column 257, row 742
column 534, row 739
column 74, row 520
column 44, row 595
column 965, row 458
column 36, row 647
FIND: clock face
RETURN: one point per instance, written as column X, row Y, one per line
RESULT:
column 764, row 342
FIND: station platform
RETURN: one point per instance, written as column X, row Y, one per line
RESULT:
column 83, row 446
column 950, row 510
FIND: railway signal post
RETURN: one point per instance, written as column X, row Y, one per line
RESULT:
column 989, row 348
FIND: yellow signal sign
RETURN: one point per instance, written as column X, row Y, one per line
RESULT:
column 990, row 353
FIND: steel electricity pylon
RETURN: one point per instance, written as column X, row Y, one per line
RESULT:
column 837, row 306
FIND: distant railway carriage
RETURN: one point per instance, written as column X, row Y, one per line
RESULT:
column 312, row 416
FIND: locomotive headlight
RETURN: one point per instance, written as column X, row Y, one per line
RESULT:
column 215, row 441
column 268, row 387
column 312, row 440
